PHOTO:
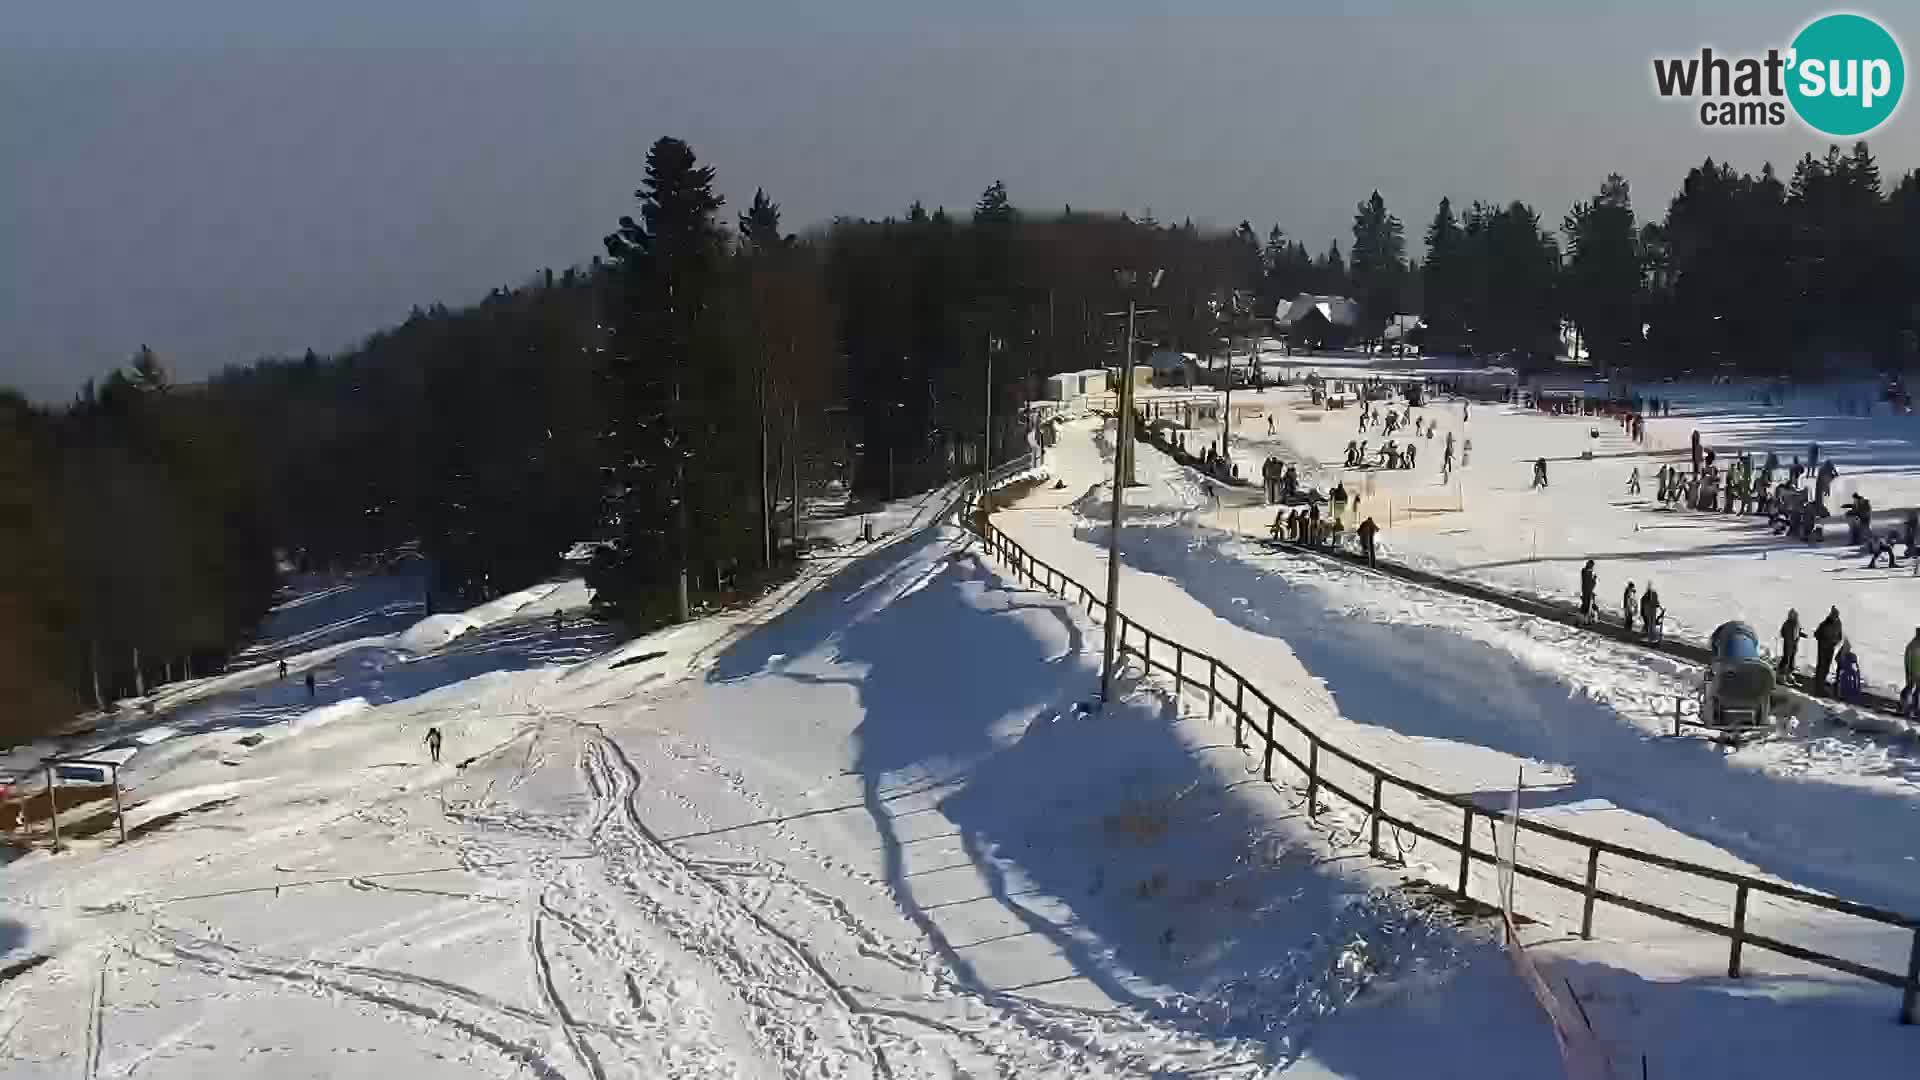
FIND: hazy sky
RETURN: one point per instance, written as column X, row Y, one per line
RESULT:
column 226, row 178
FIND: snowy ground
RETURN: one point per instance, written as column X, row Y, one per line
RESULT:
column 782, row 843
column 1464, row 694
column 860, row 829
column 1708, row 568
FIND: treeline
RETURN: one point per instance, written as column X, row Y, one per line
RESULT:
column 671, row 402
column 133, row 543
column 1743, row 272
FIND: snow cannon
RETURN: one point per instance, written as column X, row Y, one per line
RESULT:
column 1738, row 691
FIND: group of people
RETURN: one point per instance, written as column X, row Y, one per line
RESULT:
column 1791, row 509
column 1833, row 652
column 1646, row 605
column 1280, row 480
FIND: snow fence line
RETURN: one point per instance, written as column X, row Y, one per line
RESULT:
column 1434, row 808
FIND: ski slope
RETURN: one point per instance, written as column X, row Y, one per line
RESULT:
column 1708, row 568
column 862, row 828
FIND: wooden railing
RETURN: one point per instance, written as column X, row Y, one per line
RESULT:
column 1253, row 711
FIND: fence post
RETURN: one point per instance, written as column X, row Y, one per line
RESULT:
column 1466, row 850
column 1179, row 669
column 1147, row 657
column 1593, row 879
column 1373, row 844
column 53, row 807
column 1213, row 693
column 1910, row 997
column 1313, row 777
column 1676, row 715
column 1239, row 714
column 1266, row 759
column 1739, row 931
column 119, row 814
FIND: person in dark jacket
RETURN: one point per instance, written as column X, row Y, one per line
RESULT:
column 433, row 744
column 310, row 690
column 1826, row 639
column 1846, row 675
column 1589, row 580
column 1912, row 533
column 1540, row 473
column 1367, row 531
column 1650, row 613
column 1790, row 635
column 1627, row 605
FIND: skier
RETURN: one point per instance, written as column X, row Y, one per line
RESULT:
column 1846, row 675
column 1910, row 694
column 1651, row 615
column 1826, row 638
column 1367, row 531
column 1790, row 635
column 1540, row 473
column 1823, row 481
column 309, row 686
column 1269, row 425
column 1589, row 580
column 1882, row 545
column 283, row 669
column 1627, row 606
column 433, row 744
column 1633, row 481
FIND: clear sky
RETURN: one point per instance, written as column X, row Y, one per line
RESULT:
column 226, row 178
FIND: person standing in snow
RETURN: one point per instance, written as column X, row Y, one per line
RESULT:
column 1790, row 635
column 283, row 668
column 1846, row 675
column 1466, row 453
column 310, row 690
column 1633, row 481
column 1910, row 694
column 1627, row 605
column 1589, row 580
column 1823, row 480
column 1794, row 472
column 1540, row 473
column 1367, row 531
column 1826, row 639
column 1650, row 613
column 1882, row 546
column 433, row 744
column 1696, row 450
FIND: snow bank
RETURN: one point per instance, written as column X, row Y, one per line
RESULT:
column 435, row 631
column 326, row 714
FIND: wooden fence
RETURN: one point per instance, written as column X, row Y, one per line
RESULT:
column 1252, row 711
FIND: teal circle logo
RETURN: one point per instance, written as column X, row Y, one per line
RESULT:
column 1847, row 75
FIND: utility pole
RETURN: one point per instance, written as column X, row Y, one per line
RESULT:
column 986, row 437
column 1122, row 473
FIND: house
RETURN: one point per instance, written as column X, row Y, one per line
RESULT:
column 1402, row 331
column 1317, row 322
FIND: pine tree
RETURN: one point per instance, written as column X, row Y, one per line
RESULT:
column 760, row 225
column 1444, row 281
column 993, row 207
column 1379, row 263
column 1603, row 272
column 664, row 266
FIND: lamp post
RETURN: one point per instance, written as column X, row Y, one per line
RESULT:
column 1123, row 433
column 994, row 345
